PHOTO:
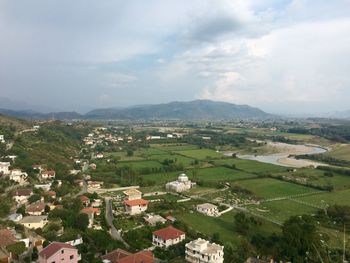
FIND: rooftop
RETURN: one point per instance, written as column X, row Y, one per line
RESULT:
column 6, row 237
column 53, row 248
column 132, row 192
column 33, row 219
column 136, row 202
column 169, row 232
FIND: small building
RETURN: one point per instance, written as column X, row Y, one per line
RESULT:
column 2, row 138
column 85, row 200
column 122, row 256
column 135, row 206
column 132, row 194
column 7, row 237
column 15, row 217
column 49, row 174
column 94, row 184
column 59, row 252
column 18, row 176
column 180, row 185
column 36, row 209
column 208, row 209
column 167, row 237
column 5, row 168
column 171, row 219
column 52, row 194
column 99, row 155
column 34, row 222
column 202, row 251
column 21, row 195
column 91, row 212
column 153, row 220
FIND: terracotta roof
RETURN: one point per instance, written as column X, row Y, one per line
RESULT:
column 53, row 248
column 139, row 257
column 89, row 210
column 23, row 192
column 6, row 237
column 136, row 202
column 84, row 198
column 51, row 193
column 115, row 255
column 169, row 232
column 36, row 207
column 132, row 191
column 49, row 172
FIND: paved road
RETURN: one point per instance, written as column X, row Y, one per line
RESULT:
column 109, row 218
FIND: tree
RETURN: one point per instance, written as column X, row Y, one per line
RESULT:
column 82, row 221
column 21, row 210
column 241, row 223
column 4, row 209
column 299, row 239
column 129, row 152
column 34, row 198
column 16, row 248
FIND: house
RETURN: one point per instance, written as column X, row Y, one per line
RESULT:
column 45, row 187
column 48, row 174
column 180, row 185
column 153, row 220
column 11, row 157
column 99, row 155
column 132, row 194
column 94, row 184
column 96, row 203
column 15, row 217
column 92, row 166
column 167, row 237
column 52, row 194
column 202, row 251
column 59, row 252
column 18, row 176
column 74, row 171
column 36, row 209
column 208, row 209
column 122, row 256
column 4, row 168
column 91, row 212
column 21, row 195
column 136, row 206
column 2, row 138
column 85, row 200
column 171, row 219
column 34, row 222
column 7, row 237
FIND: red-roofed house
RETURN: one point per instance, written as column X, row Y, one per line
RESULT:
column 49, row 174
column 122, row 256
column 136, row 206
column 59, row 252
column 85, row 200
column 21, row 195
column 91, row 211
column 6, row 238
column 168, row 236
column 36, row 209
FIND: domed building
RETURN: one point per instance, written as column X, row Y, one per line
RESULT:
column 181, row 184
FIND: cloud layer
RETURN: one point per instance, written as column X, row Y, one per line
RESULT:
column 283, row 56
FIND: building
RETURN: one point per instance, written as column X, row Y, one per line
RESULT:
column 122, row 256
column 167, row 237
column 99, row 155
column 34, row 222
column 2, row 138
column 4, row 168
column 91, row 212
column 49, row 174
column 38, row 167
column 94, row 184
column 208, row 209
column 36, row 209
column 85, row 200
column 202, row 251
column 21, row 195
column 136, row 206
column 18, row 176
column 7, row 237
column 132, row 194
column 15, row 217
column 180, row 185
column 59, row 252
column 153, row 220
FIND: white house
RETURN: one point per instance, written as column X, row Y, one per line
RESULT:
column 132, row 194
column 167, row 237
column 208, row 209
column 34, row 222
column 202, row 251
column 21, row 195
column 49, row 174
column 18, row 176
column 136, row 206
column 180, row 185
column 4, row 168
column 15, row 217
column 2, row 138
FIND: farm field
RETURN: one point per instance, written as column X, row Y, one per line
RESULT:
column 272, row 188
column 179, row 159
column 123, row 156
column 175, row 147
column 340, row 151
column 281, row 210
column 162, row 178
column 138, row 165
column 221, row 174
column 330, row 198
column 201, row 154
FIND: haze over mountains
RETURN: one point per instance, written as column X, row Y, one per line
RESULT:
column 192, row 110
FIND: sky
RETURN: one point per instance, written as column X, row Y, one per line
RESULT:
column 285, row 57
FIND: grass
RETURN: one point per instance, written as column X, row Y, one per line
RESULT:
column 162, row 178
column 271, row 188
column 340, row 151
column 175, row 147
column 201, row 154
column 138, row 165
column 175, row 157
column 166, row 197
column 331, row 198
column 220, row 174
column 123, row 156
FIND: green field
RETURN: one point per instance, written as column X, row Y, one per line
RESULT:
column 340, row 151
column 162, row 178
column 331, row 198
column 220, row 174
column 179, row 159
column 138, row 165
column 201, row 154
column 281, row 210
column 271, row 188
column 175, row 147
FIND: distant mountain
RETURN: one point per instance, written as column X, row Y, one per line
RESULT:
column 192, row 110
column 29, row 114
column 16, row 105
column 341, row 114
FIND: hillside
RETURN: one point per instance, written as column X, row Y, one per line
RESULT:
column 193, row 110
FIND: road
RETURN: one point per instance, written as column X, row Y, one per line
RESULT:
column 106, row 190
column 109, row 218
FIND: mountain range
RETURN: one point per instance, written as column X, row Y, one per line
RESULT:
column 192, row 110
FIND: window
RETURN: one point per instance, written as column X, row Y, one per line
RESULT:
column 71, row 257
column 62, row 251
column 53, row 262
